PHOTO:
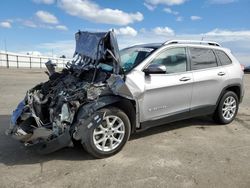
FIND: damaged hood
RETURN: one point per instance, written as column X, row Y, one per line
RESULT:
column 98, row 47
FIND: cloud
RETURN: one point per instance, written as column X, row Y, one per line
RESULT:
column 48, row 2
column 228, row 33
column 53, row 27
column 126, row 31
column 29, row 23
column 5, row 24
column 175, row 13
column 34, row 53
column 165, row 2
column 149, row 7
column 170, row 11
column 164, row 31
column 34, row 23
column 45, row 20
column 221, row 1
column 179, row 19
column 61, row 27
column 195, row 18
column 237, row 41
column 65, row 47
column 91, row 11
column 46, row 17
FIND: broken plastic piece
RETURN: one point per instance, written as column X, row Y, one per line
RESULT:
column 51, row 67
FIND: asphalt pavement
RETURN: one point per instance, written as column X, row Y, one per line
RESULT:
column 190, row 153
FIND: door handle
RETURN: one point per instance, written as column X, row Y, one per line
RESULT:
column 184, row 79
column 221, row 73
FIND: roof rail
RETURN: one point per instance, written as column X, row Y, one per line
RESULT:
column 211, row 43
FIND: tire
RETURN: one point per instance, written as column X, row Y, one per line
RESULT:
column 76, row 143
column 111, row 139
column 221, row 115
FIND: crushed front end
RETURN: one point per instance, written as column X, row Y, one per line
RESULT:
column 48, row 117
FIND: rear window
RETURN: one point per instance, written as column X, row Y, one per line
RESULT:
column 202, row 58
column 224, row 59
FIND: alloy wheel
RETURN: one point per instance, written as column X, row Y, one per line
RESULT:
column 109, row 135
column 229, row 108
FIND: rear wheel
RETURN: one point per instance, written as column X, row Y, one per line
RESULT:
column 227, row 108
column 110, row 136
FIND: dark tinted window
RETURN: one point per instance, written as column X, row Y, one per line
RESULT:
column 175, row 60
column 224, row 59
column 202, row 58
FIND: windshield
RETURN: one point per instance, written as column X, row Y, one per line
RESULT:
column 131, row 57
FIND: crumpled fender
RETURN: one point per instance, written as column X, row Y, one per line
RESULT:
column 87, row 110
column 88, row 115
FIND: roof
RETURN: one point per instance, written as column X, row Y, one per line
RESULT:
column 149, row 45
column 199, row 42
column 173, row 42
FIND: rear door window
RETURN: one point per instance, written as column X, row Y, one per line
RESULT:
column 202, row 58
column 224, row 59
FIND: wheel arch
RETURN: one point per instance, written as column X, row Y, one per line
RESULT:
column 126, row 105
column 129, row 108
column 236, row 88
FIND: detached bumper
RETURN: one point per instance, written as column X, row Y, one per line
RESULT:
column 45, row 147
column 17, row 113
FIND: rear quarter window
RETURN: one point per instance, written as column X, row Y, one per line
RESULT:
column 223, row 57
column 202, row 58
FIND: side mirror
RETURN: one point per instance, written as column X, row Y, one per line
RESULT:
column 155, row 69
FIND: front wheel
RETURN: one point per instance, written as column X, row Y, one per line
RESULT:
column 110, row 136
column 227, row 108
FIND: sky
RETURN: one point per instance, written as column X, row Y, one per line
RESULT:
column 48, row 26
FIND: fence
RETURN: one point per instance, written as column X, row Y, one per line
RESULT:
column 9, row 60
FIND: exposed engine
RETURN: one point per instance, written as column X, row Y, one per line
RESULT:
column 53, row 104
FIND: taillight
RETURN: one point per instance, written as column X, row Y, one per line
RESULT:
column 242, row 67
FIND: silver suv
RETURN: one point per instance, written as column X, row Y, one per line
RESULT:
column 104, row 95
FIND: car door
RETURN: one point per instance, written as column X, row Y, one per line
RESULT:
column 209, row 79
column 170, row 93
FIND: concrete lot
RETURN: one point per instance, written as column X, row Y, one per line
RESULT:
column 191, row 153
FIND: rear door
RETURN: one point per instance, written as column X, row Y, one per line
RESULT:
column 170, row 93
column 209, row 79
